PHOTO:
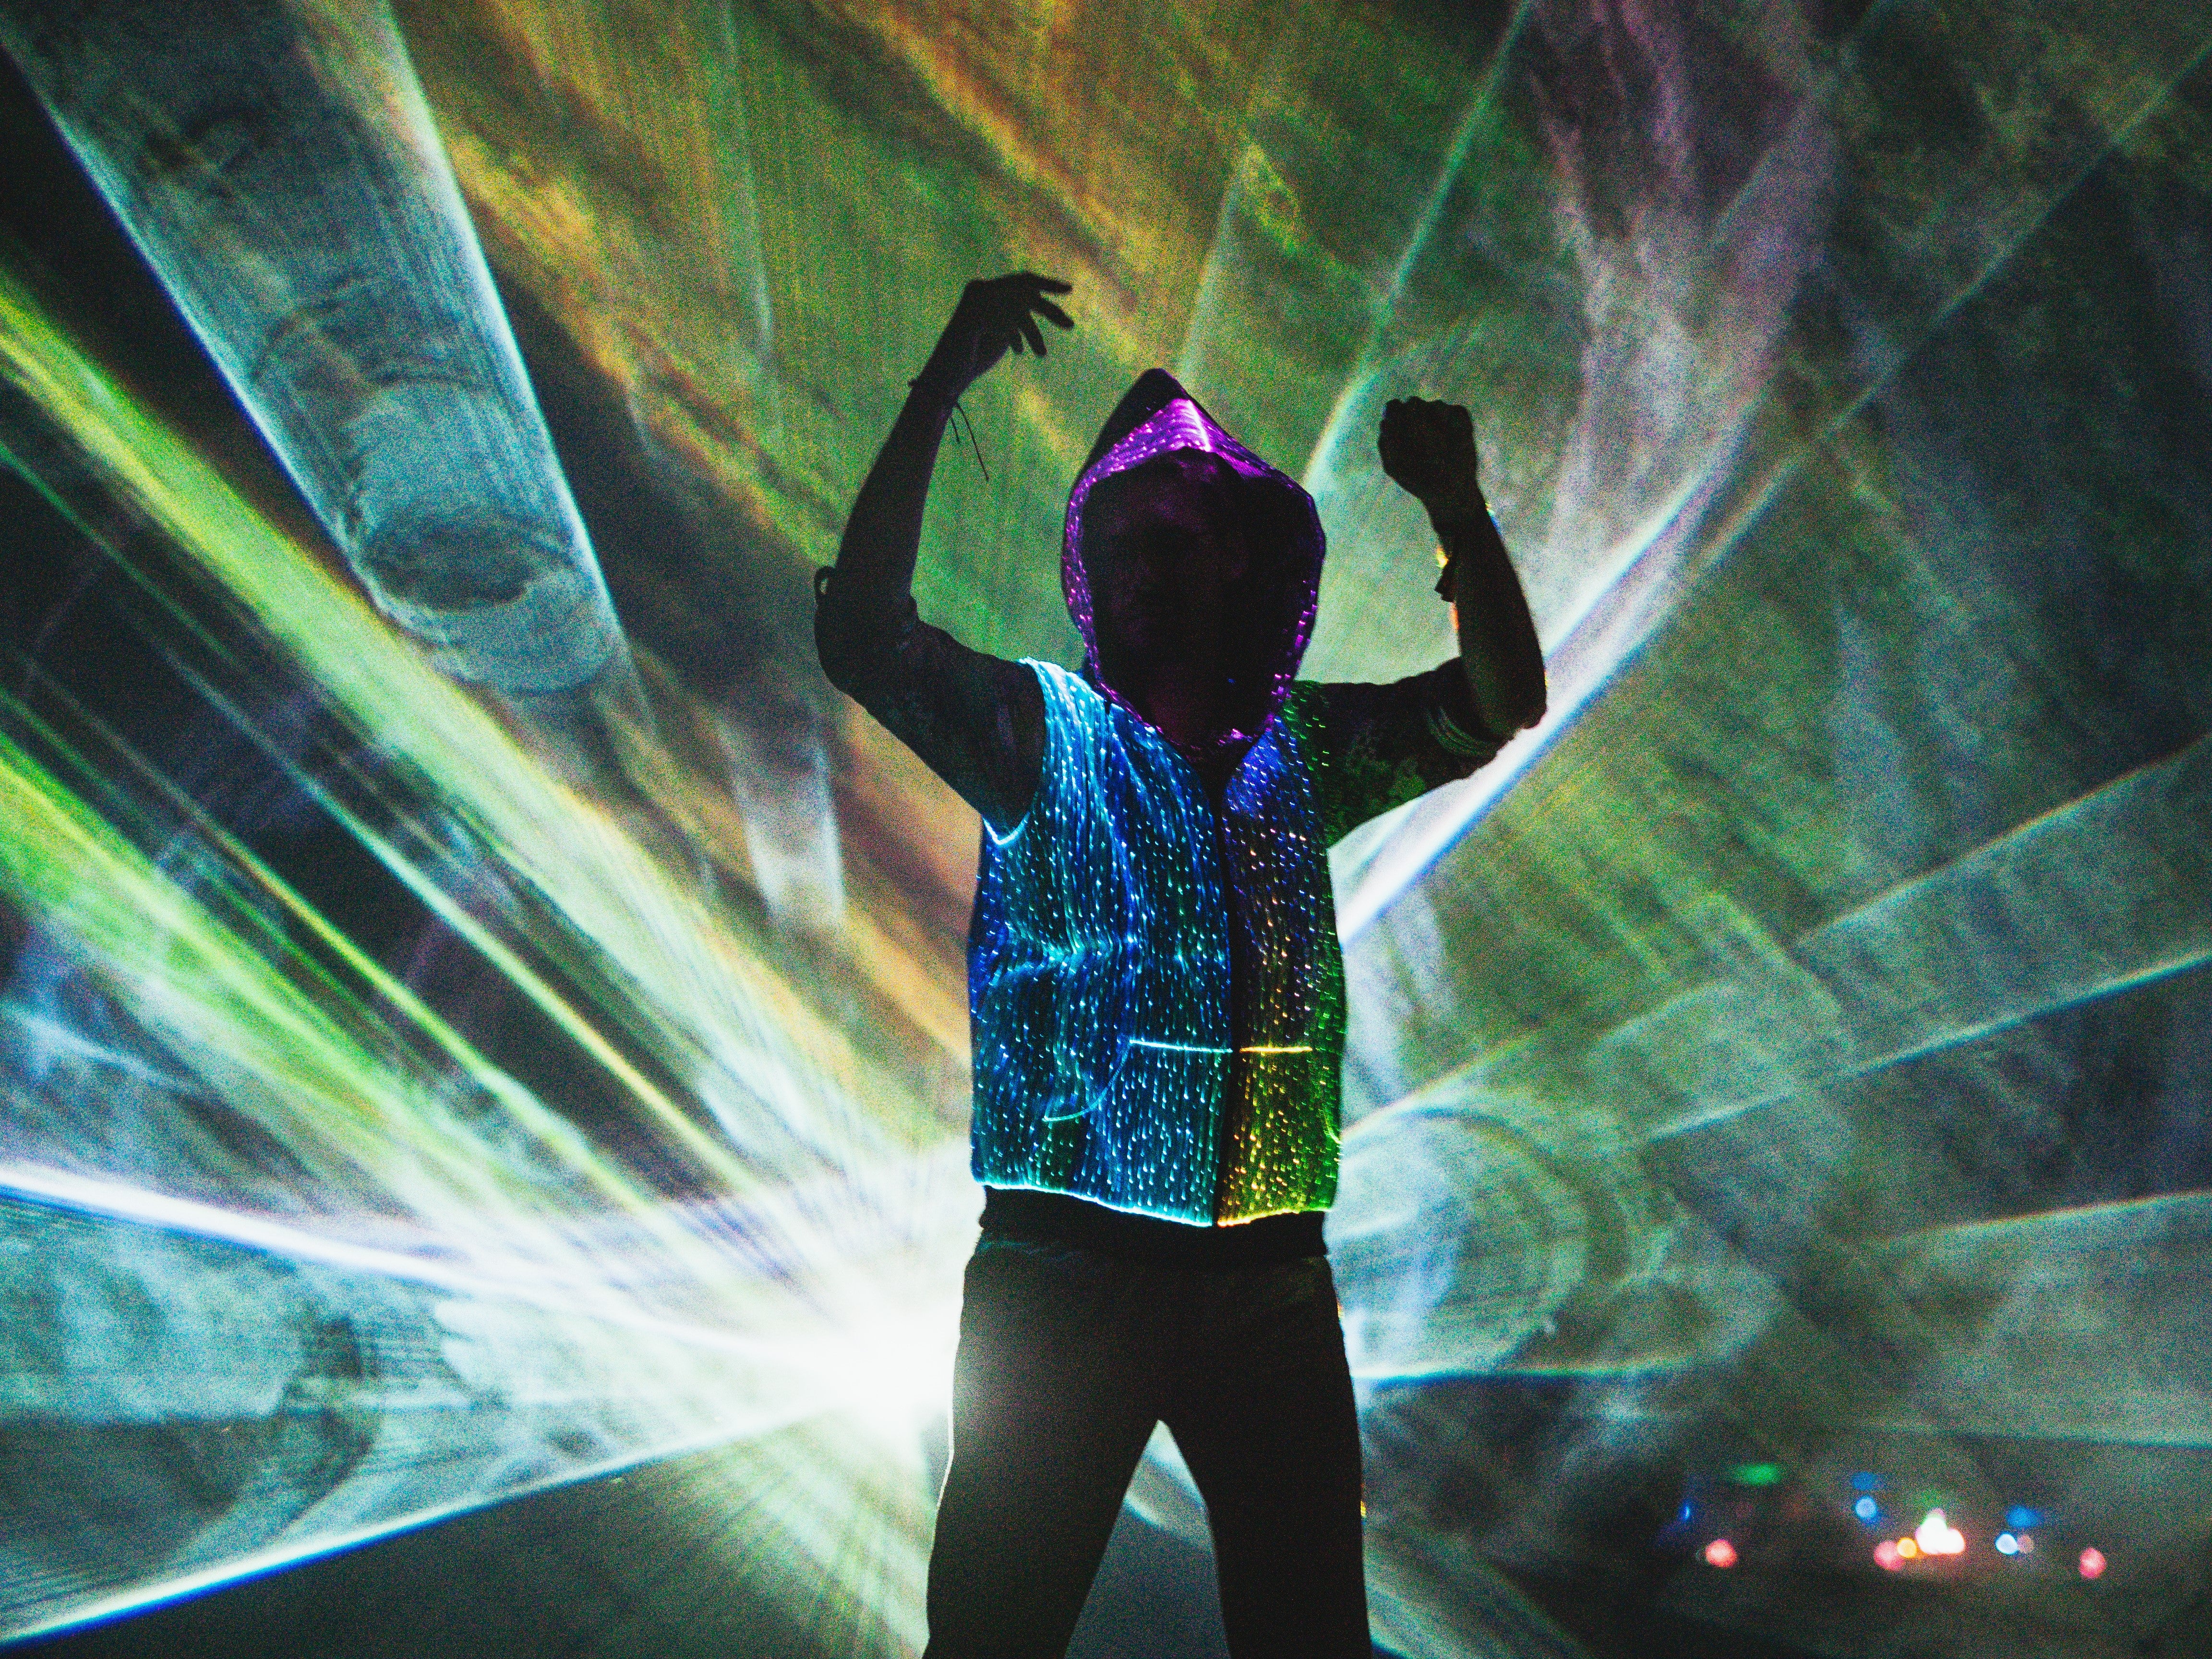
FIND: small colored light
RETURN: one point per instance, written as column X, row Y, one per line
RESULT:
column 1936, row 1535
column 1907, row 1550
column 1720, row 1553
column 2007, row 1544
column 2092, row 1562
column 1867, row 1510
column 1756, row 1474
column 1862, row 1482
column 2026, row 1542
column 2019, row 1516
column 1889, row 1555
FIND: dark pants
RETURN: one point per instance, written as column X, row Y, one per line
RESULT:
column 1067, row 1358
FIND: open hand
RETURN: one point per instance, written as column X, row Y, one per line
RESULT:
column 1428, row 449
column 993, row 318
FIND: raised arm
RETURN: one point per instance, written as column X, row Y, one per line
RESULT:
column 1429, row 449
column 976, row 720
column 883, row 532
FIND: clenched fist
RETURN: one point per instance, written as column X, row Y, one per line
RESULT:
column 1428, row 449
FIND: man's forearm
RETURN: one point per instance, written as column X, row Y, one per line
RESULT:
column 866, row 596
column 1498, row 644
column 976, row 721
column 883, row 534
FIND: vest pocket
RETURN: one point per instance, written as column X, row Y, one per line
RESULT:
column 1279, row 1147
column 1156, row 1122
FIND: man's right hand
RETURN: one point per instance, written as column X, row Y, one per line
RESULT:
column 993, row 318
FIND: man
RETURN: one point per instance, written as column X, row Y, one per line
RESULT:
column 1156, row 986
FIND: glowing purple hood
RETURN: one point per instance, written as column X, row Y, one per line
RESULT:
column 1282, row 530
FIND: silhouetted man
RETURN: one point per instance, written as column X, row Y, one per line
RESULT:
column 1156, row 985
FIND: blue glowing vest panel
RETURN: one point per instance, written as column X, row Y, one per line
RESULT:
column 1156, row 987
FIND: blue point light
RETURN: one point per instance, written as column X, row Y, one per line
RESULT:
column 1864, row 1481
column 1867, row 1510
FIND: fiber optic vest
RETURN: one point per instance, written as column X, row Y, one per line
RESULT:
column 1155, row 985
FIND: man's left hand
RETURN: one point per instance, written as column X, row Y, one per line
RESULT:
column 1428, row 449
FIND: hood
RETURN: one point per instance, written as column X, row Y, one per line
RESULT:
column 1282, row 533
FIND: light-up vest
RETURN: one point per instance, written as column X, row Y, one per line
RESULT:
column 1100, row 976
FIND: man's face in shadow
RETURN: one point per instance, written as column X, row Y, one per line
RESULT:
column 1164, row 551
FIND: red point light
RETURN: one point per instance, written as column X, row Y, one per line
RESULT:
column 1720, row 1553
column 1887, row 1555
column 2092, row 1562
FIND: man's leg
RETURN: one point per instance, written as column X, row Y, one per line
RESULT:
column 1262, row 1411
column 1054, row 1393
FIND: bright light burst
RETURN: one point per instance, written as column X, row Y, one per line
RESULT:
column 471, row 1247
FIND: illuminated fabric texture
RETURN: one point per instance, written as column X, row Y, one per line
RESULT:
column 1158, row 418
column 1119, row 930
